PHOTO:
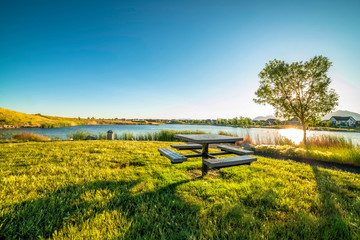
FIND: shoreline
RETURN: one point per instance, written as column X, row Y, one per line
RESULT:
column 325, row 129
column 39, row 126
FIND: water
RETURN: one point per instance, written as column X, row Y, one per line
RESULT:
column 256, row 134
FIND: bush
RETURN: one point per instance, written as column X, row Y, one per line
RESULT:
column 78, row 135
column 30, row 137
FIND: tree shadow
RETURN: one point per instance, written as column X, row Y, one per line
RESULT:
column 155, row 214
column 326, row 219
column 332, row 224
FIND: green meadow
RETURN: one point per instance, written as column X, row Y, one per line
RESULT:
column 125, row 190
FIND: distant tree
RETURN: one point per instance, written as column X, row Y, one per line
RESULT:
column 299, row 89
column 234, row 121
column 277, row 122
column 329, row 124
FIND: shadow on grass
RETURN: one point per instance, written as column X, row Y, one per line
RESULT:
column 328, row 218
column 156, row 214
column 332, row 224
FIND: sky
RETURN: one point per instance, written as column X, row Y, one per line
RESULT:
column 167, row 59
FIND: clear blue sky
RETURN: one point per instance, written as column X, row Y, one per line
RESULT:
column 166, row 59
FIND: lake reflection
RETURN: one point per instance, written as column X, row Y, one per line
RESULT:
column 295, row 135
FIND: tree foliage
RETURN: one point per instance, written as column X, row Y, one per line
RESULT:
column 297, row 90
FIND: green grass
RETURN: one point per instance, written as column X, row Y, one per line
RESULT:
column 124, row 189
column 323, row 148
column 329, row 154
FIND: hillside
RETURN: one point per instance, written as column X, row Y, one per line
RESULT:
column 13, row 119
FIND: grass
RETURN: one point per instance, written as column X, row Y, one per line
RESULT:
column 333, row 154
column 322, row 148
column 124, row 189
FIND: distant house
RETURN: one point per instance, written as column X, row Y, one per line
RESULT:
column 293, row 121
column 347, row 121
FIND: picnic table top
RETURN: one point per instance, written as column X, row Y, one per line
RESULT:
column 207, row 138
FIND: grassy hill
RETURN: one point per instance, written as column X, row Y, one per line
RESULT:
column 124, row 189
column 11, row 119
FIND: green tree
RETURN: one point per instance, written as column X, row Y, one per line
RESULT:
column 277, row 122
column 299, row 89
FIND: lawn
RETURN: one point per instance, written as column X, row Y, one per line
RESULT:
column 124, row 189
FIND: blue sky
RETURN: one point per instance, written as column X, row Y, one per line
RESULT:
column 166, row 59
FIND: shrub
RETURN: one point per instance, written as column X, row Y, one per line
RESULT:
column 79, row 135
column 29, row 136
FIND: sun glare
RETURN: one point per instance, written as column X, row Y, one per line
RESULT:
column 295, row 135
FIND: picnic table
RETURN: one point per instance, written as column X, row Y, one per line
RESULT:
column 202, row 141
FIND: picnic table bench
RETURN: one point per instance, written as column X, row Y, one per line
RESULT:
column 202, row 141
column 187, row 146
column 173, row 156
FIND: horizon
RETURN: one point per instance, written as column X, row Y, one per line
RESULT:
column 167, row 60
column 180, row 119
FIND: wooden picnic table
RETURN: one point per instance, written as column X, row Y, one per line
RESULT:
column 202, row 141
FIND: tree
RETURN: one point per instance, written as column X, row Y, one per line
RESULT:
column 299, row 89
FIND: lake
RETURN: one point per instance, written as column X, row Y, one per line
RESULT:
column 256, row 134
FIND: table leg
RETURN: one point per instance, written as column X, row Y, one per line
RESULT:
column 205, row 151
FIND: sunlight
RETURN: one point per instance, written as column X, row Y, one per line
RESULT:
column 295, row 135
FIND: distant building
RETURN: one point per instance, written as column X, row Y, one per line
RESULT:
column 267, row 121
column 293, row 121
column 347, row 121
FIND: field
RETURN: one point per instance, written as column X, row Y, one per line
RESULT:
column 124, row 189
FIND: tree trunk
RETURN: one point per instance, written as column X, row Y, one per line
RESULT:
column 304, row 129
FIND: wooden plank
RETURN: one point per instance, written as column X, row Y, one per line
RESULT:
column 235, row 150
column 173, row 156
column 193, row 155
column 228, row 162
column 187, row 146
column 207, row 138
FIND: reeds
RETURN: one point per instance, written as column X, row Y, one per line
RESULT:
column 79, row 135
column 328, row 141
column 162, row 135
column 55, row 125
column 29, row 136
